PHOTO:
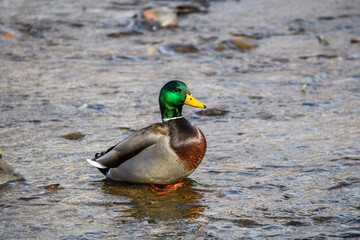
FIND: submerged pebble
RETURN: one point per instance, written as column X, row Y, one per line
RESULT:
column 212, row 112
column 126, row 33
column 73, row 136
column 179, row 48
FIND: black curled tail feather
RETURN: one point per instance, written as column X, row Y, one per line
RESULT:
column 97, row 155
column 104, row 170
column 100, row 154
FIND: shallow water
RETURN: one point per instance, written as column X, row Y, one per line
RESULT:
column 283, row 163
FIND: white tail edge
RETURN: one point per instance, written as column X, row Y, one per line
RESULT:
column 95, row 164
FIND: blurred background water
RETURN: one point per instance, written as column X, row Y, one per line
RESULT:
column 282, row 163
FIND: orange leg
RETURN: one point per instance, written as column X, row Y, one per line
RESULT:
column 166, row 188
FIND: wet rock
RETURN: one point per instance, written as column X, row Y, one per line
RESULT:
column 322, row 55
column 322, row 40
column 354, row 40
column 15, row 57
column 221, row 47
column 207, row 39
column 212, row 112
column 28, row 198
column 339, row 186
column 328, row 55
column 73, row 136
column 326, row 18
column 242, row 43
column 247, row 223
column 265, row 115
column 296, row 223
column 352, row 56
column 255, row 97
column 186, row 9
column 209, row 73
column 287, row 196
column 323, row 218
column 258, row 33
column 179, row 48
column 76, row 25
column 299, row 26
column 163, row 15
column 99, row 107
column 35, row 30
column 8, row 174
column 34, row 121
column 126, row 33
column 96, row 107
column 238, row 43
column 281, row 60
column 310, row 104
column 353, row 235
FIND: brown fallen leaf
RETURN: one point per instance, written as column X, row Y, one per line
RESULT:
column 55, row 186
column 7, row 35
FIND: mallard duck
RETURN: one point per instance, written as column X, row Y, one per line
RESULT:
column 162, row 153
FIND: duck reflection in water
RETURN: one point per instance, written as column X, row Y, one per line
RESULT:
column 144, row 204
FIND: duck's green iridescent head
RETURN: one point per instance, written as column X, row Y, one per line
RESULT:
column 173, row 95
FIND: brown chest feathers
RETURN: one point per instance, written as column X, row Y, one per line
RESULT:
column 188, row 142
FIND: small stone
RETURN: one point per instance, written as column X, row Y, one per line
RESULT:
column 212, row 112
column 73, row 136
column 242, row 43
column 354, row 40
column 179, row 48
column 322, row 40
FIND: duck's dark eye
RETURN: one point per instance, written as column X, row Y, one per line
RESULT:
column 177, row 90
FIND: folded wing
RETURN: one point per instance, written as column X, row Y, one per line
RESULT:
column 130, row 146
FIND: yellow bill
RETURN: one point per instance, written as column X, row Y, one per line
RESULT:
column 191, row 101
